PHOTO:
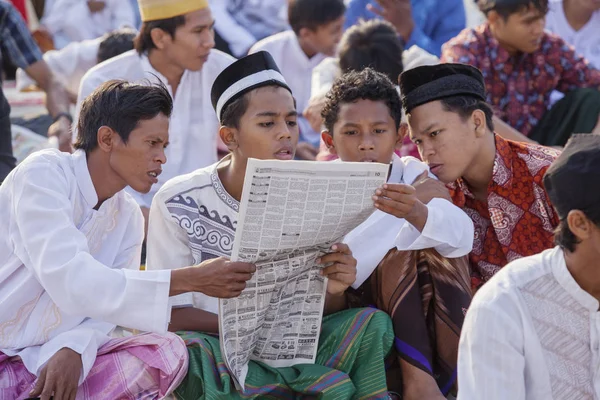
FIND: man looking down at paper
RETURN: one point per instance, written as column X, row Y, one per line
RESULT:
column 411, row 254
column 497, row 182
column 194, row 217
column 70, row 242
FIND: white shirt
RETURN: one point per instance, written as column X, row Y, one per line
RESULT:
column 241, row 23
column 531, row 333
column 68, row 273
column 193, row 127
column 586, row 40
column 68, row 64
column 297, row 70
column 448, row 229
column 72, row 21
column 192, row 219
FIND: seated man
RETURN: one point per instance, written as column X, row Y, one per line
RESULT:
column 532, row 331
column 497, row 182
column 73, row 21
column 258, row 120
column 162, row 53
column 424, row 23
column 578, row 23
column 72, row 62
column 406, row 251
column 372, row 44
column 523, row 65
column 70, row 242
column 241, row 23
column 316, row 32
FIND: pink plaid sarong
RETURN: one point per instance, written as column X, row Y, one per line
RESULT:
column 146, row 366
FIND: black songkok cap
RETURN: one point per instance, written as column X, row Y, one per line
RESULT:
column 248, row 73
column 573, row 180
column 428, row 83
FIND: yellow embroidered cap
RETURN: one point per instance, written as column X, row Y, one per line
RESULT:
column 152, row 10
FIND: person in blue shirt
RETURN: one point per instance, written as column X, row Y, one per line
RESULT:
column 425, row 23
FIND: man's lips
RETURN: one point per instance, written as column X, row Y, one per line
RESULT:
column 284, row 153
column 434, row 168
column 154, row 174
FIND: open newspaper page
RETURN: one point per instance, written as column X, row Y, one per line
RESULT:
column 291, row 213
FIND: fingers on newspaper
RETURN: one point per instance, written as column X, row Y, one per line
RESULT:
column 291, row 213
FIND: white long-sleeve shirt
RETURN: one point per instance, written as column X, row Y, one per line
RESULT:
column 448, row 229
column 72, row 21
column 241, row 23
column 531, row 333
column 68, row 65
column 69, row 273
column 297, row 70
column 193, row 126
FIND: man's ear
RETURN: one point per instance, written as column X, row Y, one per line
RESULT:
column 402, row 133
column 579, row 224
column 107, row 139
column 160, row 38
column 228, row 136
column 494, row 18
column 328, row 139
column 479, row 123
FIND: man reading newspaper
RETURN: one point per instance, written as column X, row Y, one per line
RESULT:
column 195, row 216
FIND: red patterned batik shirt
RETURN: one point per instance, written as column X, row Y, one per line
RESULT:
column 517, row 220
column 519, row 87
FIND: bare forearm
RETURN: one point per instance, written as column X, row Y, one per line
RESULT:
column 335, row 303
column 510, row 133
column 180, row 279
column 57, row 97
column 193, row 319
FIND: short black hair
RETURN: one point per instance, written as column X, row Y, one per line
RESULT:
column 312, row 14
column 233, row 112
column 115, row 43
column 119, row 105
column 507, row 9
column 566, row 239
column 465, row 105
column 356, row 85
column 374, row 44
column 143, row 42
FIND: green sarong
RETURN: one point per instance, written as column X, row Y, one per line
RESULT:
column 350, row 364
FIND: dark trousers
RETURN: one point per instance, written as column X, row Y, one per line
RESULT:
column 577, row 112
column 7, row 161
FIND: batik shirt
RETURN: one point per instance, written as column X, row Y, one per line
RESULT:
column 517, row 220
column 519, row 86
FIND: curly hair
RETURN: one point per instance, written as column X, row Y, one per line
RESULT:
column 356, row 85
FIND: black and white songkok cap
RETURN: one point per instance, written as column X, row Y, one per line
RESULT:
column 246, row 74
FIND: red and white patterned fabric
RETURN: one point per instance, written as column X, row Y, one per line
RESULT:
column 517, row 220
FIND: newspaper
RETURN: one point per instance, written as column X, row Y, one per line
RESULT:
column 291, row 213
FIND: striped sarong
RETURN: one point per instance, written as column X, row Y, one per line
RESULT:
column 146, row 366
column 427, row 297
column 349, row 365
